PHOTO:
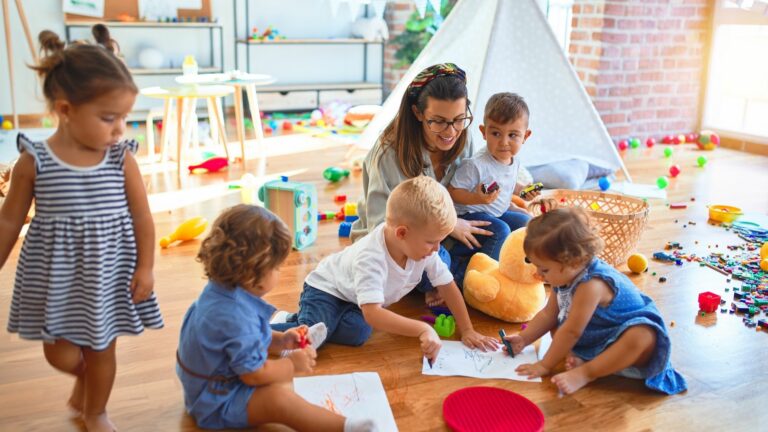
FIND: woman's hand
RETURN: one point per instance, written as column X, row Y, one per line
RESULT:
column 465, row 232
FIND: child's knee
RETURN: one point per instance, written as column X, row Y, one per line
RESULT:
column 643, row 337
column 362, row 336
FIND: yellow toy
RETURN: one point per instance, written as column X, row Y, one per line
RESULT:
column 186, row 231
column 764, row 264
column 507, row 289
column 764, row 251
column 637, row 263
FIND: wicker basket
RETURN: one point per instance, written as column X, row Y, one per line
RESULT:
column 621, row 219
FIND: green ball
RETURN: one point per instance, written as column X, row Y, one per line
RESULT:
column 662, row 182
column 634, row 143
column 248, row 124
column 702, row 160
column 140, row 138
column 47, row 122
column 667, row 152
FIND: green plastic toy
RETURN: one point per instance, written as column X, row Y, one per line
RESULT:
column 445, row 326
column 334, row 174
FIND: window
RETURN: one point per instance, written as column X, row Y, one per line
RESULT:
column 737, row 91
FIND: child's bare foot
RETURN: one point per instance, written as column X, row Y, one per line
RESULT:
column 76, row 400
column 573, row 361
column 432, row 298
column 98, row 423
column 572, row 380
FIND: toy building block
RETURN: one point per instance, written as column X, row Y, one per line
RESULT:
column 350, row 209
column 445, row 326
column 350, row 219
column 661, row 256
column 708, row 301
column 340, row 198
column 296, row 205
column 345, row 229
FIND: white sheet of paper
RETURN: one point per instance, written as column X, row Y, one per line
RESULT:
column 456, row 359
column 358, row 394
column 639, row 190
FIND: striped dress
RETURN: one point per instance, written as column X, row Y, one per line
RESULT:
column 79, row 255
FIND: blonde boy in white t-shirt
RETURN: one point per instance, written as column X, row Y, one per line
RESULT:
column 350, row 290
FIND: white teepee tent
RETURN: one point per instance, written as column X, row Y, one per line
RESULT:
column 507, row 45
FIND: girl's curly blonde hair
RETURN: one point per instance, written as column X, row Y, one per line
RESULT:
column 564, row 235
column 244, row 244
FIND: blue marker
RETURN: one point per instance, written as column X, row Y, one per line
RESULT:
column 506, row 342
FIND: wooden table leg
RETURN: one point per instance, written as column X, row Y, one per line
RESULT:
column 179, row 136
column 164, row 129
column 212, row 104
column 239, row 121
column 261, row 146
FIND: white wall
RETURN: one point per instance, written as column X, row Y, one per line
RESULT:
column 303, row 19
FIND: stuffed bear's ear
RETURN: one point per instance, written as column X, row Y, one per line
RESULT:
column 527, row 261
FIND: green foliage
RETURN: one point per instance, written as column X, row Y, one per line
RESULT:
column 418, row 31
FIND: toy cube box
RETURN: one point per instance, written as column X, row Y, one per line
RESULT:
column 296, row 205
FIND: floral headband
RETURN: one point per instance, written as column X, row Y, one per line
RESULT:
column 432, row 72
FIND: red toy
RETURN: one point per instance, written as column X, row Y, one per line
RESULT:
column 674, row 170
column 303, row 334
column 691, row 137
column 623, row 145
column 491, row 409
column 708, row 301
column 650, row 142
column 211, row 165
column 340, row 198
column 287, row 126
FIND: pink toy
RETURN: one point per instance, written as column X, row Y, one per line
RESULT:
column 674, row 170
column 623, row 145
column 650, row 142
column 668, row 139
column 211, row 165
column 708, row 301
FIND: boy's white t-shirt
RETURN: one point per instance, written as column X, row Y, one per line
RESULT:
column 483, row 168
column 365, row 273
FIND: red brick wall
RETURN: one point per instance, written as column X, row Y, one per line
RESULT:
column 643, row 62
column 396, row 14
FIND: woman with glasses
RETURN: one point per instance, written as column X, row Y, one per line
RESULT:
column 428, row 136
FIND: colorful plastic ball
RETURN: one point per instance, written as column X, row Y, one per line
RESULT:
column 708, row 140
column 135, row 125
column 634, row 143
column 668, row 139
column 662, row 182
column 287, row 126
column 7, row 125
column 268, row 130
column 764, row 251
column 623, row 145
column 667, row 152
column 637, row 263
column 248, row 123
column 681, row 139
column 47, row 122
column 650, row 142
column 604, row 183
column 691, row 137
column 701, row 161
column 273, row 125
column 674, row 170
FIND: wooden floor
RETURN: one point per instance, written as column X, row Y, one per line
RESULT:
column 723, row 361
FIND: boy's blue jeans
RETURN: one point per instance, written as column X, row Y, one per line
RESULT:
column 344, row 320
column 501, row 227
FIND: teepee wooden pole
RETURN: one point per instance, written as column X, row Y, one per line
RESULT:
column 9, row 51
column 27, row 33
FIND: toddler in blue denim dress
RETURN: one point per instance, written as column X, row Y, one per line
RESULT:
column 602, row 323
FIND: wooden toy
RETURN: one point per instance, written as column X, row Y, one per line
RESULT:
column 188, row 230
column 296, row 205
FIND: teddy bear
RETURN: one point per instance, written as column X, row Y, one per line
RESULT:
column 507, row 289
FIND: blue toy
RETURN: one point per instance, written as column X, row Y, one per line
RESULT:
column 345, row 229
column 604, row 183
column 351, row 218
column 296, row 205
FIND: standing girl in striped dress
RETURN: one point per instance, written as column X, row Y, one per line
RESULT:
column 84, row 274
